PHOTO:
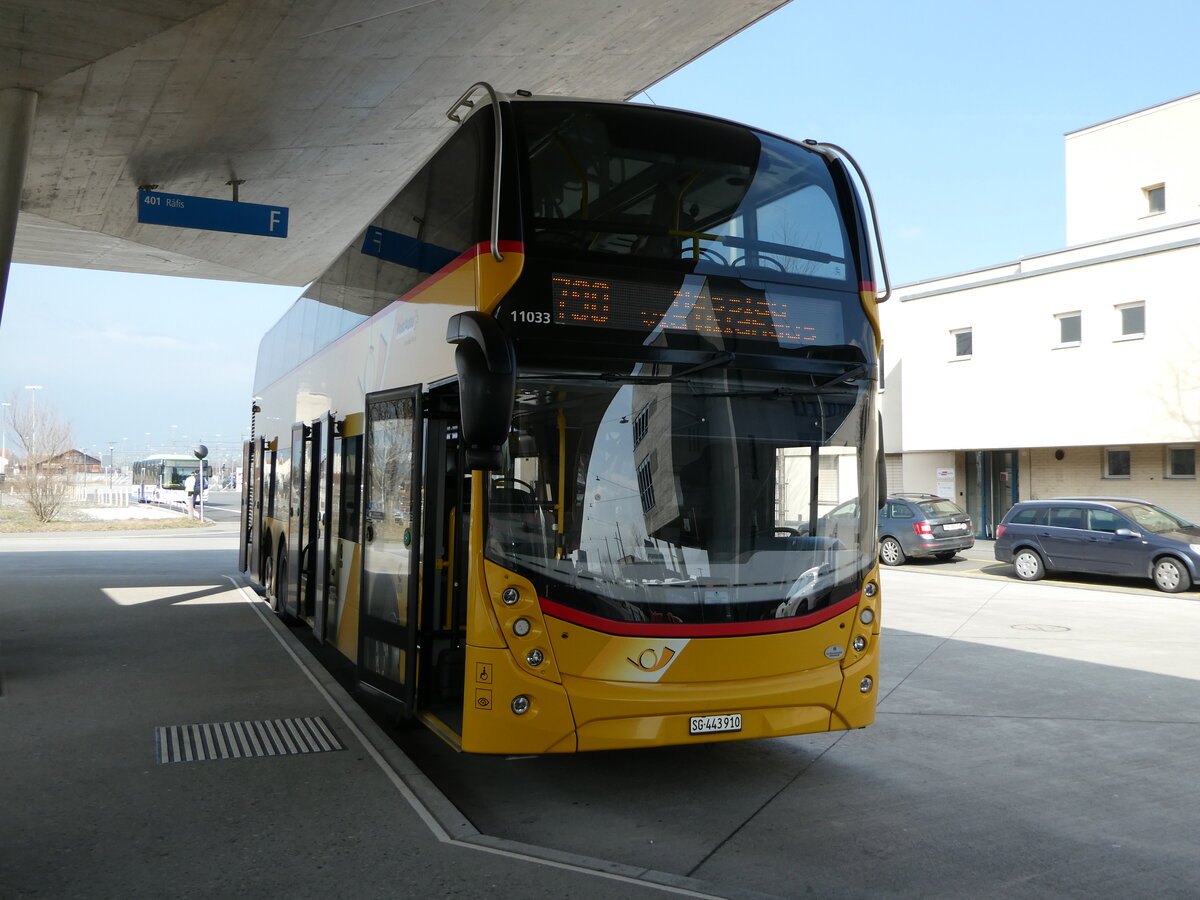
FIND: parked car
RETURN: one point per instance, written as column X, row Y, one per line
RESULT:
column 1102, row 536
column 910, row 525
column 922, row 525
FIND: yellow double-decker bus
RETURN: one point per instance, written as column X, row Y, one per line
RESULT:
column 547, row 451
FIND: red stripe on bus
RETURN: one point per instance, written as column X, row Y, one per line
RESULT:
column 458, row 262
column 867, row 286
column 708, row 629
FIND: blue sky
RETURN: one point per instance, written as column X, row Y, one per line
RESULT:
column 955, row 110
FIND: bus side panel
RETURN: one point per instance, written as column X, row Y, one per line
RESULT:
column 491, row 723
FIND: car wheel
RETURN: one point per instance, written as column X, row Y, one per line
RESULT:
column 1029, row 565
column 1171, row 576
column 890, row 552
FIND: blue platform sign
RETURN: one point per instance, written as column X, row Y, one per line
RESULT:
column 181, row 211
column 405, row 251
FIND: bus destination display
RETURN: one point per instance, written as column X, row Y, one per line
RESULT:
column 775, row 315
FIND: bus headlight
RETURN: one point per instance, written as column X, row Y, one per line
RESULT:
column 520, row 704
column 867, row 616
column 871, row 589
column 866, row 684
column 510, row 596
column 534, row 657
column 860, row 643
column 521, row 627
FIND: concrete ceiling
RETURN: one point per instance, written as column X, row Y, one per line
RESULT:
column 323, row 106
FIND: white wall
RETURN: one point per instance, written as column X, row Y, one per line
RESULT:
column 1109, row 164
column 1021, row 387
column 1081, row 473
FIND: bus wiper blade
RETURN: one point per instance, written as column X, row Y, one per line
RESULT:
column 720, row 358
column 723, row 358
column 856, row 372
column 834, row 383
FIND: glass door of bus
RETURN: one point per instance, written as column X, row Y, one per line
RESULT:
column 387, row 637
column 254, row 482
column 322, row 503
column 246, row 542
column 297, row 522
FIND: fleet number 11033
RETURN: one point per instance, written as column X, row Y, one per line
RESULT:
column 531, row 317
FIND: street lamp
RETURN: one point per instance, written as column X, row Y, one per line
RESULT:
column 33, row 436
column 4, row 434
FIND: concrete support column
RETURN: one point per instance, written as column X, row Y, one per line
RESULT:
column 18, row 107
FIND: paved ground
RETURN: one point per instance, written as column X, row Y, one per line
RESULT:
column 1033, row 740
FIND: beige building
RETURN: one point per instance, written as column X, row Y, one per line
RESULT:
column 1075, row 372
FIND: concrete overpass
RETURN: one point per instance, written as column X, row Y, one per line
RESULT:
column 323, row 106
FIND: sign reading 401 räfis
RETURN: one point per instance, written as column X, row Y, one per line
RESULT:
column 181, row 211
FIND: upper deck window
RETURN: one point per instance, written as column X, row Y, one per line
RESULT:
column 661, row 185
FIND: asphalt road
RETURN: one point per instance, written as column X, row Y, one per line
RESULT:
column 1032, row 740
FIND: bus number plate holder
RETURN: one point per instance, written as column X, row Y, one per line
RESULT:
column 715, row 724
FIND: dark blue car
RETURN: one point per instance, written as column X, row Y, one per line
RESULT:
column 1102, row 536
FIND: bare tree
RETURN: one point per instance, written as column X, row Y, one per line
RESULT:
column 43, row 483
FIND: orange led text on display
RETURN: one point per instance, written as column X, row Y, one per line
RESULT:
column 632, row 306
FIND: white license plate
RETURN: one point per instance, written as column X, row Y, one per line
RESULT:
column 713, row 724
column 955, row 526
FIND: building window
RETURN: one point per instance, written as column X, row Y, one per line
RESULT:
column 641, row 424
column 1156, row 199
column 646, row 485
column 1133, row 320
column 1181, row 462
column 1070, row 328
column 962, row 343
column 1116, row 462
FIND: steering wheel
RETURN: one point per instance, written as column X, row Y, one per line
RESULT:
column 762, row 263
column 791, row 532
column 525, row 484
column 707, row 253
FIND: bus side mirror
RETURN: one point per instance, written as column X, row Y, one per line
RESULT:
column 487, row 385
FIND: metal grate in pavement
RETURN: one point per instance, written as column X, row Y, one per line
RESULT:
column 242, row 740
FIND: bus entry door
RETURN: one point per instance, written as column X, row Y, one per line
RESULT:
column 387, row 637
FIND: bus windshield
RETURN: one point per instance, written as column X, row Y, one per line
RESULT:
column 688, row 500
column 621, row 180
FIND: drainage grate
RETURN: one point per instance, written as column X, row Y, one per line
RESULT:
column 241, row 740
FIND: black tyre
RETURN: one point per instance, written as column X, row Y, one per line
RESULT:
column 267, row 570
column 1171, row 575
column 890, row 552
column 1028, row 565
column 280, row 588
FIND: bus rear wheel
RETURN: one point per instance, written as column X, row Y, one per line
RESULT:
column 279, row 603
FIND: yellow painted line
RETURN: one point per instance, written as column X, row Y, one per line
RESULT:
column 1004, row 570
